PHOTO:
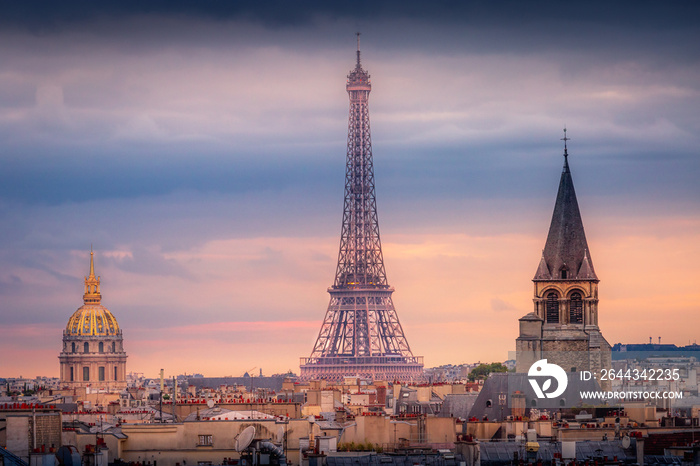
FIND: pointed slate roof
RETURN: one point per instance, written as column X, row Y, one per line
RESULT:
column 566, row 246
column 543, row 270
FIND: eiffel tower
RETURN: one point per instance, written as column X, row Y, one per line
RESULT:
column 361, row 334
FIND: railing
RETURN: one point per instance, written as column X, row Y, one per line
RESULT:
column 10, row 458
column 389, row 360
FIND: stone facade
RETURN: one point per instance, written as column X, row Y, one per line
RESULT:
column 101, row 364
column 23, row 430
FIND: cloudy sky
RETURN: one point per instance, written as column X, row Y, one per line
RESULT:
column 200, row 148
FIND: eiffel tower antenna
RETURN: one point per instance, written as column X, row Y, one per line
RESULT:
column 361, row 334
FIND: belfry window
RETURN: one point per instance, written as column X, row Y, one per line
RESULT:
column 576, row 309
column 552, row 315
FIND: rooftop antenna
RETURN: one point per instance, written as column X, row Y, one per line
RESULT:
column 358, row 50
column 244, row 439
column 566, row 153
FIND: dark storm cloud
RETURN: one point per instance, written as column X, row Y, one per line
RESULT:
column 282, row 12
column 448, row 27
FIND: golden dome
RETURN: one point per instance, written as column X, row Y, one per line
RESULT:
column 92, row 318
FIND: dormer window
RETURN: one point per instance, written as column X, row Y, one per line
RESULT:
column 564, row 273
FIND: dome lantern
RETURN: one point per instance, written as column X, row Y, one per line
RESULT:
column 92, row 284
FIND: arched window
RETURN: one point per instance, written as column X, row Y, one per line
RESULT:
column 114, row 347
column 101, row 347
column 563, row 273
column 86, row 347
column 73, row 347
column 552, row 308
column 576, row 309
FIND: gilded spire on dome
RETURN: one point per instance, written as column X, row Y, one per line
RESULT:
column 92, row 284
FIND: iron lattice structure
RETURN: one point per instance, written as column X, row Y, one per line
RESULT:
column 361, row 334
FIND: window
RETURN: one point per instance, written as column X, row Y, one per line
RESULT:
column 101, row 347
column 115, row 372
column 114, row 347
column 205, row 440
column 73, row 347
column 563, row 273
column 101, row 373
column 576, row 309
column 86, row 374
column 72, row 376
column 552, row 308
column 86, row 347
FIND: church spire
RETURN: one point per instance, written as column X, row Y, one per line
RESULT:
column 566, row 254
column 92, row 284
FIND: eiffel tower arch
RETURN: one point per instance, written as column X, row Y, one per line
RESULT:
column 361, row 334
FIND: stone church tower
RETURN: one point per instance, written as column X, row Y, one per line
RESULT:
column 563, row 328
column 93, row 352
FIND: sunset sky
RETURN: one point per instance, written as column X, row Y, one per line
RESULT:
column 199, row 147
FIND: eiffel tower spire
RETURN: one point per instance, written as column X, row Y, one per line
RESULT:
column 361, row 333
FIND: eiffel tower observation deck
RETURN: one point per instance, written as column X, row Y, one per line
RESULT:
column 361, row 334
